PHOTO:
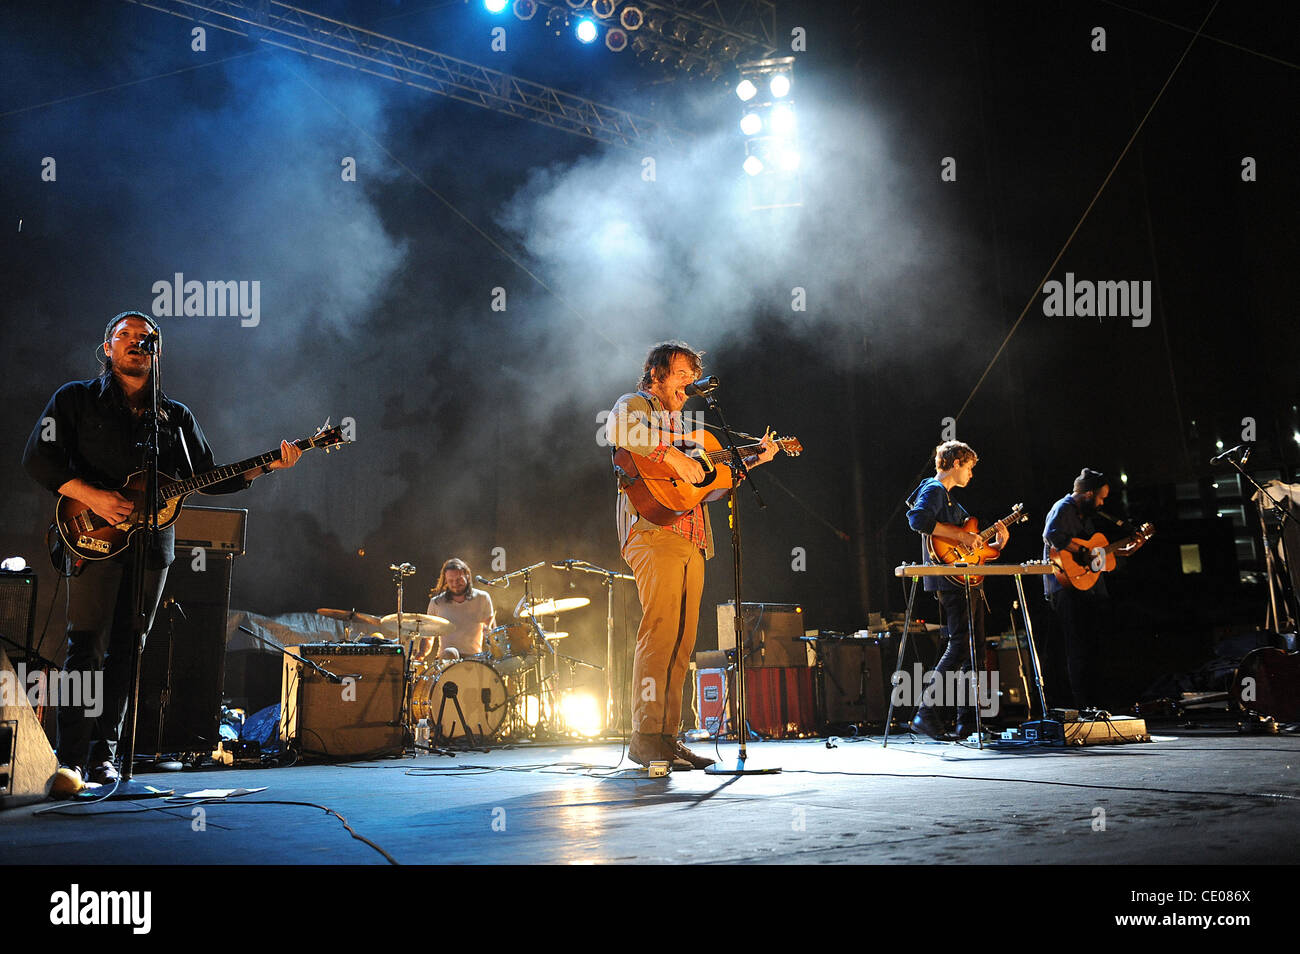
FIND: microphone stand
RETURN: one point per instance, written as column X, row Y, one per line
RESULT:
column 733, row 502
column 1282, row 517
column 143, row 543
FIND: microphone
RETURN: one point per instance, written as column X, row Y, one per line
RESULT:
column 486, row 582
column 1243, row 449
column 702, row 386
column 150, row 343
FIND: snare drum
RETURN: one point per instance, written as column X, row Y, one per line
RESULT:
column 481, row 691
column 512, row 639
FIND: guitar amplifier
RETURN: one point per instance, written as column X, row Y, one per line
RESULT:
column 855, row 681
column 212, row 528
column 773, row 634
column 358, row 718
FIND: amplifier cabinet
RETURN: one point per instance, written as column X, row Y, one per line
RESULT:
column 360, row 717
column 854, row 682
column 772, row 634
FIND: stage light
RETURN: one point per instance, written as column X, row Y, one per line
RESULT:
column 616, row 40
column 753, row 165
column 779, row 85
column 746, row 90
column 525, row 9
column 603, row 8
column 495, row 6
column 631, row 18
column 782, row 121
column 788, row 159
column 586, row 31
column 581, row 713
column 751, row 124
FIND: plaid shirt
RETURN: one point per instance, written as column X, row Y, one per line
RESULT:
column 690, row 524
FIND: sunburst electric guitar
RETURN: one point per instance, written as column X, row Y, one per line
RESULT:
column 661, row 496
column 92, row 537
column 941, row 551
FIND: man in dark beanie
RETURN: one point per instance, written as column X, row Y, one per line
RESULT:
column 1082, row 613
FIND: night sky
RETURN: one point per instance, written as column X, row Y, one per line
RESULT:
column 476, row 428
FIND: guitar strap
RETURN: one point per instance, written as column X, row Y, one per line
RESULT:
column 186, row 449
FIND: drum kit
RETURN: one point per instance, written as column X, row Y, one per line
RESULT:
column 508, row 691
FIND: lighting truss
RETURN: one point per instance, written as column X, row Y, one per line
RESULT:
column 309, row 34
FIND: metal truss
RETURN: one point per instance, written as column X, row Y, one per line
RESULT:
column 309, row 34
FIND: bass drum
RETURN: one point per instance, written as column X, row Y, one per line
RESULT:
column 481, row 691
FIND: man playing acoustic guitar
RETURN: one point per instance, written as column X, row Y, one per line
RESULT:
column 933, row 513
column 1083, row 613
column 88, row 439
column 666, row 560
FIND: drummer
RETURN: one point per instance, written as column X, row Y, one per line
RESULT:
column 468, row 610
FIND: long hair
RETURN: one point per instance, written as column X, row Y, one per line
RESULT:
column 455, row 563
column 660, row 360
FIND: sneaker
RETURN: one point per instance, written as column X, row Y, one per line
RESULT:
column 104, row 773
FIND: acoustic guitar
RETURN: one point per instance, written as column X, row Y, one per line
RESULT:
column 941, row 551
column 661, row 496
column 92, row 537
column 1101, row 558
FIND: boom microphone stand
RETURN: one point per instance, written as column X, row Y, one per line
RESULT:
column 741, row 472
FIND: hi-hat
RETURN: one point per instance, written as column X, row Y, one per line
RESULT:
column 416, row 624
column 551, row 606
column 348, row 615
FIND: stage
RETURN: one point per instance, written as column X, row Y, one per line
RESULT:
column 1192, row 797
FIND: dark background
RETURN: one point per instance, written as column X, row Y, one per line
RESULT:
column 476, row 429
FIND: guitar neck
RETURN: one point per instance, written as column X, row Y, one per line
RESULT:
column 724, row 455
column 217, row 474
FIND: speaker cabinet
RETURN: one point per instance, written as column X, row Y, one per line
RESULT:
column 854, row 681
column 188, row 654
column 773, row 634
column 361, row 717
column 17, row 608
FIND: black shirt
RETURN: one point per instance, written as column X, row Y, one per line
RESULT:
column 88, row 431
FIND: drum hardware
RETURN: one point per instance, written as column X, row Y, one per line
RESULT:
column 607, row 579
column 479, row 710
column 348, row 617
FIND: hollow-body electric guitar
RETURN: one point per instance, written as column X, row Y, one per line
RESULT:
column 92, row 537
column 941, row 551
column 1101, row 558
column 661, row 496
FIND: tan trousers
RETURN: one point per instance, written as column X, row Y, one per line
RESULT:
column 669, row 573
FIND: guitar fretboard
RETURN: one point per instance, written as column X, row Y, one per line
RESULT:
column 215, row 476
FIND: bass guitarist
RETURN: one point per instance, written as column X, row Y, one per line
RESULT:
column 933, row 513
column 87, row 439
column 667, row 561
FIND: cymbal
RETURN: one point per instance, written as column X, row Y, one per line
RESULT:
column 348, row 615
column 550, row 636
column 420, row 624
column 551, row 607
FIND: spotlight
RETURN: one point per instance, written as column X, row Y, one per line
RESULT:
column 783, row 120
column 495, row 6
column 631, row 18
column 525, row 9
column 602, row 8
column 586, row 30
column 616, row 40
column 581, row 713
column 788, row 159
column 753, row 165
column 779, row 85
column 751, row 124
column 746, row 91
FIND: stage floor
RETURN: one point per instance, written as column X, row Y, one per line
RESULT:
column 1189, row 797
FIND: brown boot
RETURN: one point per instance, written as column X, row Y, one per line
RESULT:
column 681, row 752
column 645, row 748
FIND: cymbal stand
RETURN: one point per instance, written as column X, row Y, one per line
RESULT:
column 607, row 580
column 400, row 573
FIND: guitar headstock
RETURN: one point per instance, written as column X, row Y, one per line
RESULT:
column 790, row 445
column 329, row 437
column 1145, row 533
column 1017, row 514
